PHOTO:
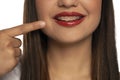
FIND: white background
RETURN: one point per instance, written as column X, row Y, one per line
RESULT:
column 11, row 14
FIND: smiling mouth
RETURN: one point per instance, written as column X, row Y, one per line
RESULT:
column 68, row 19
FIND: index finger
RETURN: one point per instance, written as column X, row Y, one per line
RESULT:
column 25, row 28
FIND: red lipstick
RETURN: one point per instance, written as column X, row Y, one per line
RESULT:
column 69, row 19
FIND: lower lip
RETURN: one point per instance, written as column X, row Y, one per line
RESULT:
column 69, row 24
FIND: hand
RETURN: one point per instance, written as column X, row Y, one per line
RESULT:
column 9, row 45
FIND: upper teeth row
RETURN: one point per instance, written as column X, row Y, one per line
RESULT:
column 68, row 18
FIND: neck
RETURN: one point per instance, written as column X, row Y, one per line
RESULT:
column 69, row 59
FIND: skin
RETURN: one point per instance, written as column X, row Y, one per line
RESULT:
column 10, row 46
column 69, row 49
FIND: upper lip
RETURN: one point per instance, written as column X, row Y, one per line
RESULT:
column 69, row 14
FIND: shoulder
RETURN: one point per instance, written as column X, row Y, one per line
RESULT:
column 14, row 74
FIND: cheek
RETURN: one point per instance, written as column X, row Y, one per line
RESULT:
column 92, row 7
column 43, row 7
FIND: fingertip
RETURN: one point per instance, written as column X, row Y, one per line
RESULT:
column 42, row 23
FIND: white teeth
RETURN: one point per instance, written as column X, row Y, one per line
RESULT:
column 68, row 18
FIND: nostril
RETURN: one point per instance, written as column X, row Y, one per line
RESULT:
column 67, row 4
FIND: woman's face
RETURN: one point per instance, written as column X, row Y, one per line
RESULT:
column 69, row 27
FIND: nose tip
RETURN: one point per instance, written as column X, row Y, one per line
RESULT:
column 68, row 3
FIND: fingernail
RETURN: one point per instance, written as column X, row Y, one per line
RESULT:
column 42, row 23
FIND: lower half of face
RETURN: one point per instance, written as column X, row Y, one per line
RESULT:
column 74, row 33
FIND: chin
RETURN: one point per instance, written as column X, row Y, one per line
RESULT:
column 69, row 40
